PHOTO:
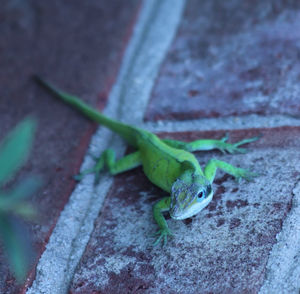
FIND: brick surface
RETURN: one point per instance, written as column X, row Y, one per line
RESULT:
column 79, row 46
column 224, row 249
column 231, row 58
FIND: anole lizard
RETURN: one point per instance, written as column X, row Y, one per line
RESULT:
column 169, row 164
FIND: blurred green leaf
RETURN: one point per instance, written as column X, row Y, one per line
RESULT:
column 26, row 211
column 14, row 149
column 21, row 191
column 17, row 246
column 13, row 201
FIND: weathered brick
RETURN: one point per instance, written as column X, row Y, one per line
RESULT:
column 226, row 246
column 231, row 58
column 79, row 46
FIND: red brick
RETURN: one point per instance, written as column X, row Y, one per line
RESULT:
column 231, row 58
column 226, row 246
column 79, row 46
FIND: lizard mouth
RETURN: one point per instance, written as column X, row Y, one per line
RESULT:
column 179, row 217
column 177, row 214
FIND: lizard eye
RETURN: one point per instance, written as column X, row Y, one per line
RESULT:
column 200, row 195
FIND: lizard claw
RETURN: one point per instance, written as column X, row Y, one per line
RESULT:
column 78, row 177
column 230, row 148
column 245, row 174
column 234, row 148
column 94, row 170
column 246, row 141
column 162, row 235
column 81, row 175
column 225, row 138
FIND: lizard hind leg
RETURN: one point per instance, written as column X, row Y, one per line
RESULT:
column 210, row 144
column 108, row 159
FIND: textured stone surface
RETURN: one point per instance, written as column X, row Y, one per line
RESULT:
column 231, row 58
column 224, row 249
column 79, row 46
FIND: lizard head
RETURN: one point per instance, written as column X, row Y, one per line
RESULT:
column 190, row 194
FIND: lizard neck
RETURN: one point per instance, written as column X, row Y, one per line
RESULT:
column 187, row 176
column 191, row 176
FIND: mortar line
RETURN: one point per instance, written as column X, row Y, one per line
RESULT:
column 227, row 123
column 146, row 49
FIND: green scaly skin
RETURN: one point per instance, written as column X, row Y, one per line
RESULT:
column 169, row 164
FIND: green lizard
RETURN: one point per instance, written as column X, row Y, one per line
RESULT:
column 169, row 164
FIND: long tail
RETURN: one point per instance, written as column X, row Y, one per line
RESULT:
column 126, row 131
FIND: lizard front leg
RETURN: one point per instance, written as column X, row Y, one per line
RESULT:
column 158, row 209
column 212, row 166
column 108, row 159
column 210, row 144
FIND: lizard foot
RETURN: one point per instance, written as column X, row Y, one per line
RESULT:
column 241, row 173
column 234, row 147
column 94, row 170
column 162, row 236
column 81, row 175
